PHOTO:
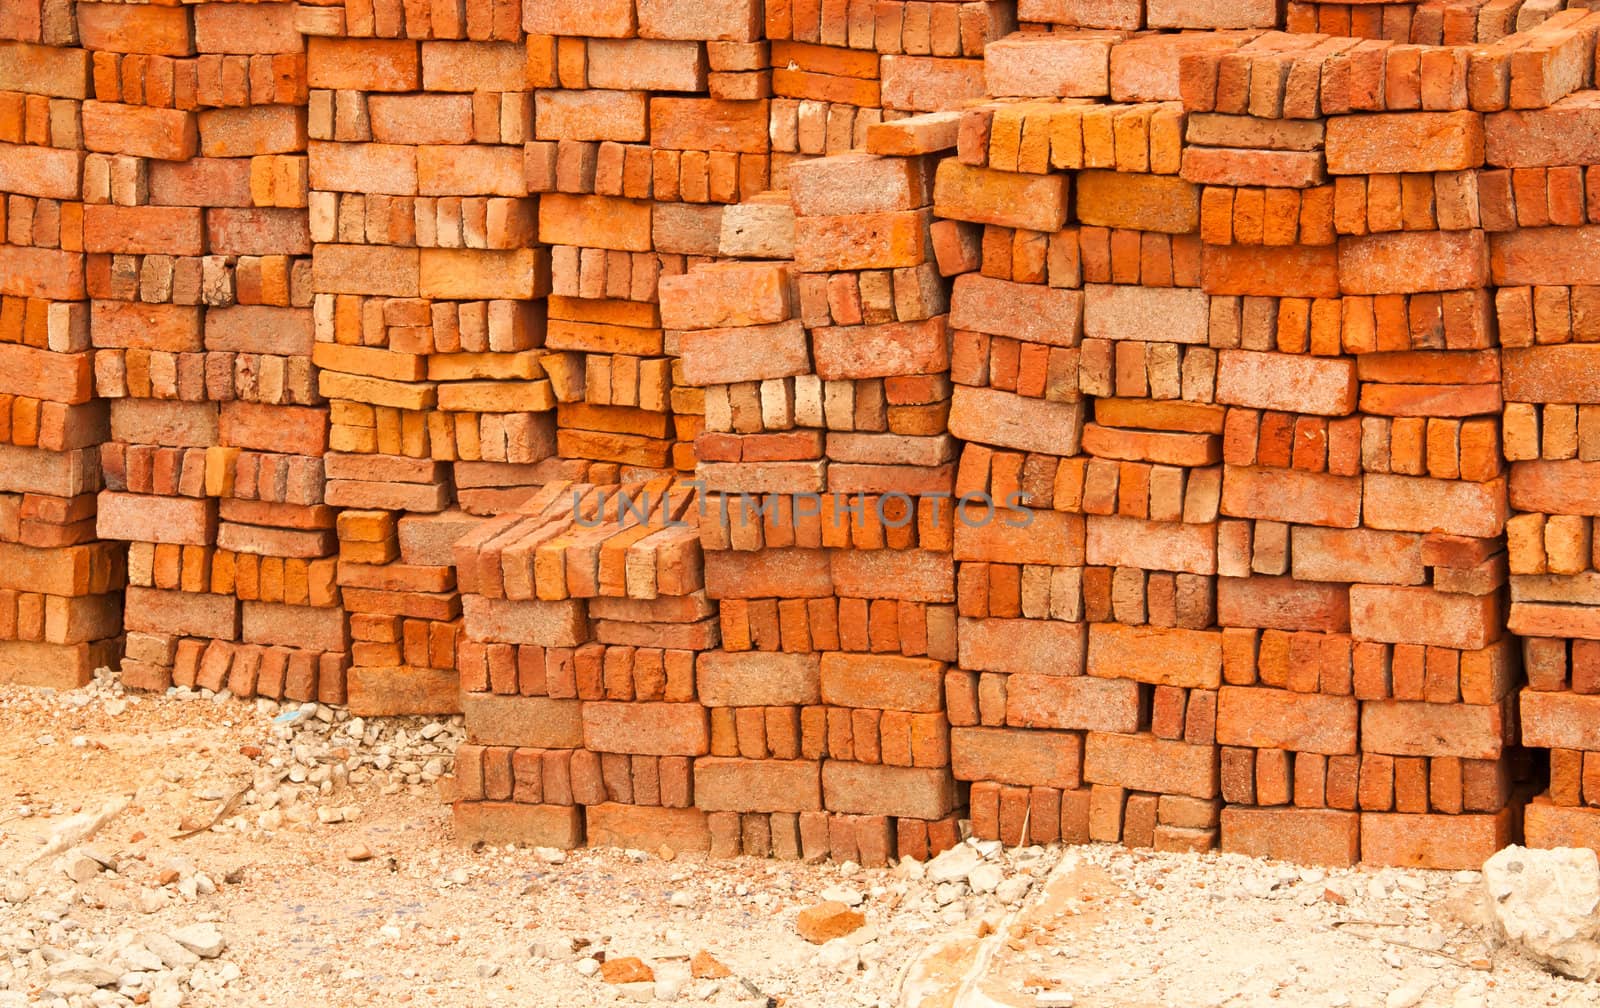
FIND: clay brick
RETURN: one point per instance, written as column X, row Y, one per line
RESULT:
column 1072, row 702
column 1261, row 718
column 1120, row 312
column 1030, row 312
column 619, row 116
column 1308, row 836
column 1146, row 763
column 1161, row 203
column 883, row 682
column 1006, row 199
column 536, row 722
column 1291, row 383
column 558, row 826
column 1158, row 655
column 1419, row 504
column 1281, row 603
column 40, row 171
column 1424, row 616
column 998, row 418
column 1036, row 65
column 1413, row 262
column 871, row 789
column 152, row 30
column 1211, row 14
column 1308, row 271
column 1560, row 720
column 1021, row 757
column 163, row 134
column 738, row 785
column 1441, row 842
column 651, row 729
column 363, row 64
column 145, row 518
column 757, row 679
column 611, row 824
column 856, row 183
column 1405, row 142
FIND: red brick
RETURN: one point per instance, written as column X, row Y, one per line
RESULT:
column 1072, row 702
column 1053, row 647
column 1442, row 842
column 363, row 64
column 152, row 30
column 1281, row 603
column 637, row 827
column 757, row 679
column 558, row 826
column 1261, row 718
column 1164, row 656
column 1292, row 271
column 1039, row 65
column 874, row 789
column 164, row 134
column 1413, row 261
column 743, row 785
column 1424, row 616
column 649, row 729
column 41, row 171
column 1012, row 756
column 1030, row 312
column 1419, row 504
column 1308, row 836
column 883, row 682
column 1006, row 199
column 1560, row 720
column 1146, row 763
column 858, row 183
column 1291, row 496
column 145, row 518
column 536, row 722
column 1404, row 142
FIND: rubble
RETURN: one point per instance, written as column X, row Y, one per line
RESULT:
column 1546, row 903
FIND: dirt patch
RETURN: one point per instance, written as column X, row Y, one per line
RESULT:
column 422, row 920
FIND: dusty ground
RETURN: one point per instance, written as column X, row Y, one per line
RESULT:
column 423, row 921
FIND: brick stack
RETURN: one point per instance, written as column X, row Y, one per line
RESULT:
column 585, row 612
column 1408, row 638
column 835, row 73
column 196, row 233
column 428, row 317
column 1418, row 24
column 635, row 182
column 1546, row 279
column 1084, row 725
column 826, row 395
column 60, row 607
column 1100, row 411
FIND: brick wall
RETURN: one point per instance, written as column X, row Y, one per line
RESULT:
column 794, row 428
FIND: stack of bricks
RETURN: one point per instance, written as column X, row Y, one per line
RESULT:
column 1109, row 420
column 827, row 527
column 647, row 124
column 60, row 601
column 839, row 68
column 1539, row 208
column 1363, row 498
column 585, row 613
column 1428, row 22
column 1087, row 643
column 428, row 316
column 195, row 225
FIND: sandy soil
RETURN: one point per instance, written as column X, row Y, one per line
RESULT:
column 425, row 921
